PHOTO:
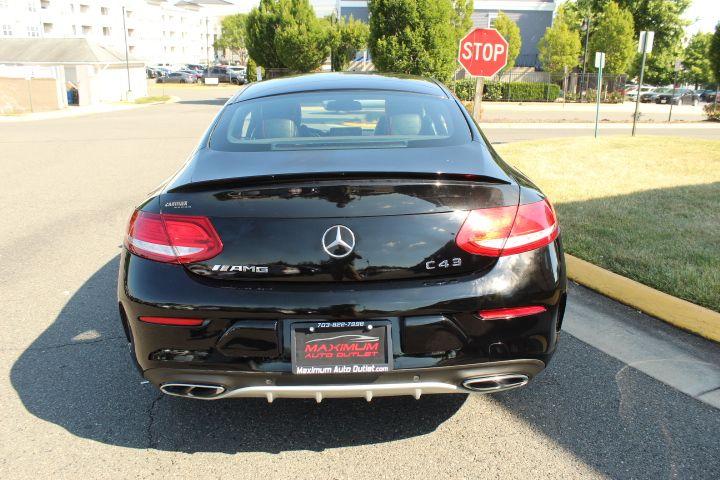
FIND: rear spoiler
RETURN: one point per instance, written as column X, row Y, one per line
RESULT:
column 264, row 180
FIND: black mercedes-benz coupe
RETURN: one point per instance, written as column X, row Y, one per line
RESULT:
column 342, row 235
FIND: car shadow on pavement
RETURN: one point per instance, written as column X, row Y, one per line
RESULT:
column 78, row 375
column 616, row 419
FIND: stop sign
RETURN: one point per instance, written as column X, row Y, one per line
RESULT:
column 483, row 52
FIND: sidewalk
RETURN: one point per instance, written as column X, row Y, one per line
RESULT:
column 531, row 112
column 77, row 111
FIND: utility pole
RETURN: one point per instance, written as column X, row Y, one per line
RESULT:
column 127, row 61
column 645, row 46
column 207, row 40
column 583, row 82
column 678, row 67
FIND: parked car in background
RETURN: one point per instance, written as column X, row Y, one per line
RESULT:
column 708, row 95
column 161, row 71
column 194, row 66
column 196, row 76
column 631, row 91
column 225, row 75
column 649, row 97
column 681, row 96
column 176, row 77
column 151, row 72
column 240, row 71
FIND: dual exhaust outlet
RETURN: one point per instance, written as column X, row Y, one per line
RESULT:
column 483, row 384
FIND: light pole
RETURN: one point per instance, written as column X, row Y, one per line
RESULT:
column 207, row 40
column 586, row 27
column 127, row 61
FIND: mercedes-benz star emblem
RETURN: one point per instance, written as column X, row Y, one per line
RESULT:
column 338, row 241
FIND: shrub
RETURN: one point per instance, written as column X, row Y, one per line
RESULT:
column 413, row 36
column 515, row 91
column 712, row 111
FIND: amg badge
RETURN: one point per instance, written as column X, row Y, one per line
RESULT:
column 240, row 268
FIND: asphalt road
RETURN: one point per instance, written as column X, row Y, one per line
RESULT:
column 73, row 405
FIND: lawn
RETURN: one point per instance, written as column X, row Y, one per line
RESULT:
column 647, row 208
column 153, row 99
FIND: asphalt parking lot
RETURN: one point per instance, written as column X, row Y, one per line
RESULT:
column 73, row 404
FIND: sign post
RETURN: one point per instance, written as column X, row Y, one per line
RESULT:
column 678, row 67
column 482, row 53
column 644, row 47
column 599, row 64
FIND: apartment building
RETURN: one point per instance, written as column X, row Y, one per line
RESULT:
column 532, row 16
column 158, row 31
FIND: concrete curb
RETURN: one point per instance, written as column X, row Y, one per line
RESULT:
column 672, row 310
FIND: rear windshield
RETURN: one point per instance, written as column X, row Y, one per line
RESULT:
column 340, row 119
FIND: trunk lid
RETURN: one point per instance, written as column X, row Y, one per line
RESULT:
column 286, row 229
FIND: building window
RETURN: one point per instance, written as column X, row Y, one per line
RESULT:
column 104, row 10
column 47, row 27
column 44, row 4
column 106, row 31
column 6, row 30
column 172, row 49
column 33, row 31
column 128, row 13
column 86, row 29
column 131, row 49
column 131, row 32
column 84, row 8
column 3, row 3
column 31, row 6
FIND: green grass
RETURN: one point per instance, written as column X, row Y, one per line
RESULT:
column 153, row 99
column 647, row 208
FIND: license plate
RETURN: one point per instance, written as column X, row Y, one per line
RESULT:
column 331, row 348
column 662, row 100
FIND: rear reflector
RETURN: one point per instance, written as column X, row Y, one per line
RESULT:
column 183, row 322
column 502, row 231
column 508, row 313
column 172, row 238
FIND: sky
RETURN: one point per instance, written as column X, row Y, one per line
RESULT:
column 704, row 14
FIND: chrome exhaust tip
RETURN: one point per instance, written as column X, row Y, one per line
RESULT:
column 496, row 383
column 188, row 390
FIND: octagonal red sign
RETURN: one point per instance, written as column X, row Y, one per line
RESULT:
column 483, row 52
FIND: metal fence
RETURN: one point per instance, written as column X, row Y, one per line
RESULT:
column 544, row 86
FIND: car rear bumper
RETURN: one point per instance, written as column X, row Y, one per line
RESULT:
column 214, row 385
column 435, row 331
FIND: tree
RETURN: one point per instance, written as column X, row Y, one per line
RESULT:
column 715, row 53
column 613, row 34
column 559, row 48
column 413, row 36
column 462, row 17
column 251, row 71
column 511, row 32
column 696, row 60
column 286, row 34
column 664, row 17
column 260, row 27
column 232, row 34
column 346, row 37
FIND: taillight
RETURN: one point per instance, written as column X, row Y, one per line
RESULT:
column 172, row 238
column 502, row 231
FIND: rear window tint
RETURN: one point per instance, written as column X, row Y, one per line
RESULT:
column 340, row 119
